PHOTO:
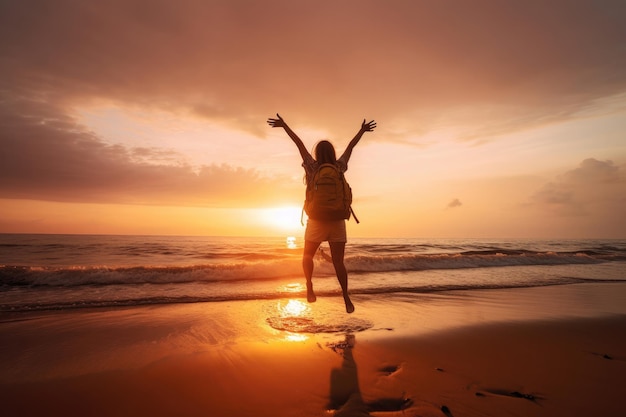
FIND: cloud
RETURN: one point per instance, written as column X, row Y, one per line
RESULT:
column 594, row 188
column 47, row 156
column 416, row 66
column 483, row 66
column 454, row 203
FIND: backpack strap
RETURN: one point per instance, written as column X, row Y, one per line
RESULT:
column 356, row 219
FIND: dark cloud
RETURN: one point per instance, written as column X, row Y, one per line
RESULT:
column 594, row 188
column 454, row 203
column 416, row 64
column 47, row 156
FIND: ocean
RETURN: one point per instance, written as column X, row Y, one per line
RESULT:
column 63, row 272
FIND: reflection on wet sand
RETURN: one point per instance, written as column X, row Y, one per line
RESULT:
column 296, row 316
column 345, row 393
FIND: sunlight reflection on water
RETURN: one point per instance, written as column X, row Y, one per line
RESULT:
column 291, row 242
column 293, row 287
column 293, row 308
column 296, row 337
column 297, row 317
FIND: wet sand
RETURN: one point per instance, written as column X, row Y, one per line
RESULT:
column 554, row 351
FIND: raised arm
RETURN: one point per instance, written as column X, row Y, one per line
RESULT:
column 279, row 122
column 365, row 127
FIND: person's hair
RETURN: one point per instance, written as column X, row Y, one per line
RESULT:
column 325, row 152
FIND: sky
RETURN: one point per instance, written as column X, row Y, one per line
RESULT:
column 496, row 119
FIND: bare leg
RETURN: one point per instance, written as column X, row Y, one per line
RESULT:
column 337, row 250
column 307, row 265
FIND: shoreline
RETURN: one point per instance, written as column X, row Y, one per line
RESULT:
column 540, row 352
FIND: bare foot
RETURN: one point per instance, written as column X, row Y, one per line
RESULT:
column 349, row 305
column 310, row 295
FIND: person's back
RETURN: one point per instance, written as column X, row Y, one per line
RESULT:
column 328, row 194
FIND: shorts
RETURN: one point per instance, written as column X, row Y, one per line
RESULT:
column 321, row 231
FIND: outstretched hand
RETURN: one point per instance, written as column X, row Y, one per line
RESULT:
column 278, row 122
column 368, row 126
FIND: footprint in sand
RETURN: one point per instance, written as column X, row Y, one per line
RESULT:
column 389, row 370
column 389, row 404
column 513, row 394
column 345, row 393
column 606, row 356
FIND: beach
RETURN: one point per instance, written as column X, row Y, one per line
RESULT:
column 541, row 351
column 446, row 181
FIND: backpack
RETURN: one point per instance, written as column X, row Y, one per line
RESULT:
column 328, row 195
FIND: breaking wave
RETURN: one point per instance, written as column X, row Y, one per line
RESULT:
column 288, row 267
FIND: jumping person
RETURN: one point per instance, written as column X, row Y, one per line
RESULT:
column 318, row 230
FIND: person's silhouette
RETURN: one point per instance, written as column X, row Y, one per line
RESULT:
column 318, row 231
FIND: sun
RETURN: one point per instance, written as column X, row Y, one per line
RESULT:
column 285, row 219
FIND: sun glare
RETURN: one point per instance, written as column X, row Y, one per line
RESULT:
column 283, row 218
column 294, row 315
column 296, row 337
column 293, row 308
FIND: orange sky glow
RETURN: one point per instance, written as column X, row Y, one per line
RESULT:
column 149, row 117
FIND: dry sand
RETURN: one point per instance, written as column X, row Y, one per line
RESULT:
column 558, row 351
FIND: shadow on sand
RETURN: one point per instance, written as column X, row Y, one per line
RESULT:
column 345, row 393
